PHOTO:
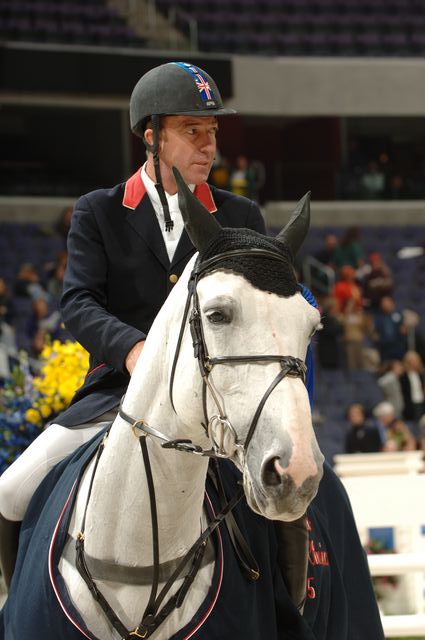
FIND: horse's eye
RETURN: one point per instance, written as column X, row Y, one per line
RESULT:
column 218, row 317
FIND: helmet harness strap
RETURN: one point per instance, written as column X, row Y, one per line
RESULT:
column 153, row 148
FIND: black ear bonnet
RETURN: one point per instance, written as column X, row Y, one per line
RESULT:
column 267, row 274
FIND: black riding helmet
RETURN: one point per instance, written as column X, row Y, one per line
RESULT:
column 174, row 88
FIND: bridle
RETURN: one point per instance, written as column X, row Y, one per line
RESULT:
column 218, row 424
column 224, row 443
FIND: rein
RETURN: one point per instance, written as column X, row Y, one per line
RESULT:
column 155, row 612
column 216, row 426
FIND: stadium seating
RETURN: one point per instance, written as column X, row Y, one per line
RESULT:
column 295, row 27
column 308, row 27
column 67, row 22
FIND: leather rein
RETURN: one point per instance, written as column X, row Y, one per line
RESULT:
column 217, row 427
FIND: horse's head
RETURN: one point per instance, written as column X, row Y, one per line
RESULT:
column 251, row 327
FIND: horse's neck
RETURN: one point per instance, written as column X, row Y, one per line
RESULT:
column 118, row 524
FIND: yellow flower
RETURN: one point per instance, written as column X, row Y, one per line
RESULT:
column 32, row 416
column 45, row 410
column 64, row 366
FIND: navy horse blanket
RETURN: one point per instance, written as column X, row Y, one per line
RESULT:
column 340, row 600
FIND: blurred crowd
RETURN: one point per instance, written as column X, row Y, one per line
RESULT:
column 244, row 177
column 30, row 305
column 382, row 173
column 363, row 329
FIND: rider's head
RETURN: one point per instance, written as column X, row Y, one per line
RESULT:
column 174, row 109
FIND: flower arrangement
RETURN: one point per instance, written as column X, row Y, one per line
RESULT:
column 27, row 402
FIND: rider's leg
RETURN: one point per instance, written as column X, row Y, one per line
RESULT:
column 21, row 479
column 9, row 537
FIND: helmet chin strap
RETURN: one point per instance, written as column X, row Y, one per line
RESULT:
column 153, row 148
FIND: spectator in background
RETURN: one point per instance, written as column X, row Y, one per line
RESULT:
column 46, row 322
column 349, row 251
column 7, row 332
column 242, row 179
column 390, row 331
column 220, row 172
column 322, row 279
column 356, row 327
column 412, row 383
column 54, row 284
column 397, row 187
column 328, row 347
column 27, row 283
column 394, row 432
column 346, row 289
column 399, row 437
column 326, row 254
column 389, row 382
column 362, row 436
column 6, row 304
column 63, row 224
column 378, row 281
column 372, row 182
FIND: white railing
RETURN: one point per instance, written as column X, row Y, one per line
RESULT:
column 318, row 276
column 396, row 564
column 382, row 464
column 387, row 490
column 411, row 625
column 176, row 13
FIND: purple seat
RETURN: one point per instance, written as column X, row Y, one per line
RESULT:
column 294, row 21
column 289, row 43
column 368, row 43
column 321, row 21
column 270, row 21
column 263, row 42
column 211, row 41
column 395, row 43
column 316, row 43
column 342, row 43
column 417, row 42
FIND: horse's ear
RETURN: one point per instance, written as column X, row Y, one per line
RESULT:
column 200, row 224
column 293, row 234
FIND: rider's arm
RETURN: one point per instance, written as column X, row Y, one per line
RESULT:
column 84, row 301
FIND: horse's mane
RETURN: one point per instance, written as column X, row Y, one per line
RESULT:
column 263, row 273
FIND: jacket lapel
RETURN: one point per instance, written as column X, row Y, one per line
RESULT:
column 144, row 221
column 142, row 218
column 185, row 248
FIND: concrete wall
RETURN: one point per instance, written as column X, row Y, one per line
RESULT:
column 387, row 213
column 329, row 86
column 268, row 86
column 44, row 211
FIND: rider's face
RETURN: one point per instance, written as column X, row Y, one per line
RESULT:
column 188, row 143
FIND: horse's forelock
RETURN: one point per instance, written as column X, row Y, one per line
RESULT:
column 263, row 273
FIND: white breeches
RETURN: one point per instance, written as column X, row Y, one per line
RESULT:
column 21, row 479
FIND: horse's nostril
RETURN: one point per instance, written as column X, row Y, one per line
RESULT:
column 271, row 477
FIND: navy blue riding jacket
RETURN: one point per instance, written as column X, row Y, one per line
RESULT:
column 118, row 277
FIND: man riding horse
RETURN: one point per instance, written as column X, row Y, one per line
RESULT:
column 127, row 248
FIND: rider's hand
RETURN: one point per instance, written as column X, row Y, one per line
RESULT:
column 132, row 356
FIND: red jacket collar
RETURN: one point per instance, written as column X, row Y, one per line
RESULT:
column 135, row 190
